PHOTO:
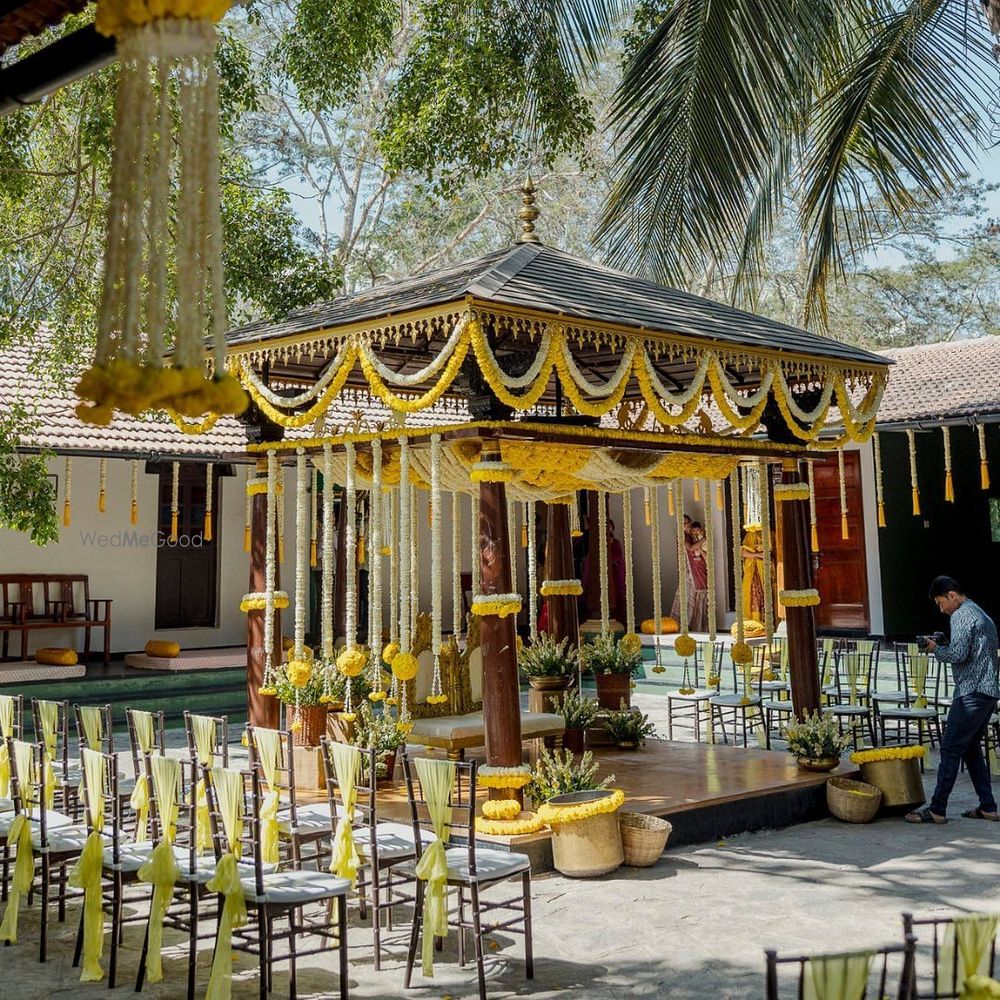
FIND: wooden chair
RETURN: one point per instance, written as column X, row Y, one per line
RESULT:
column 50, row 721
column 708, row 658
column 852, row 703
column 779, row 710
column 937, row 969
column 381, row 845
column 917, row 709
column 11, row 728
column 472, row 870
column 785, row 976
column 743, row 703
column 146, row 735
column 94, row 728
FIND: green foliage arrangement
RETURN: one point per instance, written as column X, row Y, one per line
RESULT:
column 27, row 497
column 544, row 657
column 577, row 711
column 377, row 731
column 629, row 725
column 606, row 655
column 557, row 773
column 816, row 737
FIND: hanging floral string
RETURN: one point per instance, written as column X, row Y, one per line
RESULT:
column 511, row 543
column 524, row 526
column 845, row 531
column 102, row 487
column 166, row 56
column 269, row 574
column 696, row 490
column 574, row 517
column 394, row 550
column 456, row 564
column 740, row 649
column 765, row 522
column 404, row 664
column 647, row 506
column 653, row 496
column 984, row 466
column 914, row 486
column 629, row 583
column 375, row 574
column 532, row 572
column 720, row 499
column 477, row 565
column 300, row 552
column 351, row 661
column 602, row 559
column 949, row 485
column 414, row 560
column 671, row 509
column 209, row 476
column 675, row 490
column 174, row 504
column 326, row 573
column 134, row 493
column 710, row 565
column 67, row 492
column 879, row 492
column 280, row 513
column 437, row 695
column 313, row 518
column 813, row 530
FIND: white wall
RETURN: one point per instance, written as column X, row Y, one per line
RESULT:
column 92, row 544
column 870, row 521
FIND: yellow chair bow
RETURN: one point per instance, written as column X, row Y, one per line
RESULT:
column 142, row 723
column 346, row 761
column 268, row 745
column 49, row 713
column 972, row 937
column 93, row 725
column 19, row 837
column 86, row 873
column 6, row 733
column 979, row 988
column 161, row 871
column 204, row 740
column 837, row 977
column 436, row 779
column 228, row 787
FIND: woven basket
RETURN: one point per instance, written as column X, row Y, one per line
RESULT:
column 643, row 838
column 852, row 801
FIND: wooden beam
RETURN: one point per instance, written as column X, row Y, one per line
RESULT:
column 563, row 620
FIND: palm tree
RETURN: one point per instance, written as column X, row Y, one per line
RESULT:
column 729, row 114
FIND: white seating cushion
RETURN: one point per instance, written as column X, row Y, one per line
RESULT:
column 53, row 820
column 63, row 839
column 458, row 727
column 394, row 841
column 290, row 887
column 490, row 864
column 6, row 805
column 735, row 701
column 311, row 818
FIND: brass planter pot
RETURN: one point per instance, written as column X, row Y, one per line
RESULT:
column 588, row 847
column 899, row 781
column 817, row 763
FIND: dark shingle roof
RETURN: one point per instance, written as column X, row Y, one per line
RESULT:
column 541, row 278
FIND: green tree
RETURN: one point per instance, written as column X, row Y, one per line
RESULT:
column 27, row 498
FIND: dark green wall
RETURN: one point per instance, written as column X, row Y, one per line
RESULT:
column 952, row 538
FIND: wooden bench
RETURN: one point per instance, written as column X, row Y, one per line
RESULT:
column 459, row 725
column 34, row 601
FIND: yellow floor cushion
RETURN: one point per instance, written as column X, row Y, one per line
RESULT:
column 751, row 629
column 56, row 656
column 162, row 648
column 667, row 626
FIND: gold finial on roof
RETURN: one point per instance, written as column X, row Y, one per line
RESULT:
column 528, row 214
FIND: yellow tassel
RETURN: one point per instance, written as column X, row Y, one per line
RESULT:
column 697, row 491
column 916, row 503
column 429, row 519
column 67, row 514
column 207, row 533
column 524, row 536
column 134, row 512
column 949, row 488
column 881, row 514
column 281, row 550
column 361, row 550
column 719, row 498
column 813, row 538
column 647, row 513
column 844, row 530
column 101, row 503
column 670, row 503
column 312, row 551
column 984, row 475
column 173, row 527
column 246, row 538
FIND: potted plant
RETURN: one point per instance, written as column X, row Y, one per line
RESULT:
column 557, row 773
column 816, row 742
column 578, row 713
column 613, row 662
column 378, row 731
column 548, row 665
column 300, row 685
column 629, row 728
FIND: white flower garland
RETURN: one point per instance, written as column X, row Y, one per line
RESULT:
column 949, row 486
column 67, row 492
column 914, row 485
column 436, row 607
column 695, row 388
column 654, row 536
column 134, row 493
column 394, row 548
column 456, row 564
column 813, row 530
column 414, row 559
column 294, row 402
column 511, row 507
column 532, row 573
column 405, row 545
column 269, row 569
column 413, row 379
column 734, row 490
column 300, row 552
column 710, row 563
column 280, row 512
column 879, row 493
column 102, row 487
column 629, row 583
column 326, row 600
column 174, row 504
column 765, row 524
column 984, row 465
column 351, row 551
column 602, row 559
column 313, row 516
column 209, row 477
column 677, row 489
column 375, row 568
column 611, row 385
column 477, row 548
column 844, row 527
column 574, row 517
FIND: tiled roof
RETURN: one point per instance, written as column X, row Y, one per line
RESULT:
column 541, row 278
column 945, row 381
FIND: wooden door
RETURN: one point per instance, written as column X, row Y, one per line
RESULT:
column 840, row 573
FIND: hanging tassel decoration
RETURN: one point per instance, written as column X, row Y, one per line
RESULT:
column 696, row 490
column 670, row 501
column 174, row 504
column 280, row 513
column 647, row 507
column 845, row 532
column 879, row 495
column 914, row 486
column 68, row 493
column 813, row 532
column 949, row 485
column 524, row 528
column 314, row 520
column 248, row 509
column 984, row 467
column 574, row 517
column 134, row 497
column 102, row 487
column 209, row 475
column 720, row 497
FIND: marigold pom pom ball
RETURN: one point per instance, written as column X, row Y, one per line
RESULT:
column 631, row 643
column 742, row 653
column 299, row 672
column 351, row 662
column 404, row 666
column 389, row 652
column 685, row 646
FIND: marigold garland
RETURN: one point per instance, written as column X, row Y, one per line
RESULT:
column 561, row 588
column 879, row 754
column 405, row 666
column 807, row 598
column 556, row 816
column 741, row 653
column 531, row 823
column 257, row 601
column 389, row 652
column 684, row 645
column 630, row 643
column 492, row 776
column 492, row 472
column 790, row 491
column 500, row 605
column 501, row 808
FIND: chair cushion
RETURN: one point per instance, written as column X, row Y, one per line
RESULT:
column 694, row 696
column 844, row 710
column 6, row 805
column 908, row 713
column 311, row 819
column 291, row 887
column 63, row 839
column 394, row 842
column 490, row 864
column 735, row 701
column 778, row 706
column 53, row 820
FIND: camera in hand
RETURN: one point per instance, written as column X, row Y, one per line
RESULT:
column 923, row 640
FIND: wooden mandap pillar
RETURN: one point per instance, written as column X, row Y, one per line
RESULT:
column 563, row 618
column 801, row 621
column 501, row 691
column 262, row 710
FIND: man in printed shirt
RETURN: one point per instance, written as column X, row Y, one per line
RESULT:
column 972, row 653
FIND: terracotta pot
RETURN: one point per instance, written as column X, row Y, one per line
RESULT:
column 573, row 740
column 817, row 763
column 612, row 690
column 313, row 724
column 390, row 768
column 550, row 683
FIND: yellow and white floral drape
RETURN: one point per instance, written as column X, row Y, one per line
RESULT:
column 837, row 977
column 437, row 778
column 86, row 873
column 19, row 837
column 161, row 870
column 228, row 788
column 346, row 861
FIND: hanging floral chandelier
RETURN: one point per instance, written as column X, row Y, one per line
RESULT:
column 166, row 129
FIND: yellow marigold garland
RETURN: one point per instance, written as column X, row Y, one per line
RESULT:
column 389, row 652
column 500, row 605
column 879, row 754
column 561, row 588
column 489, row 776
column 790, row 491
column 501, row 808
column 257, row 601
column 807, row 598
column 556, row 816
column 531, row 823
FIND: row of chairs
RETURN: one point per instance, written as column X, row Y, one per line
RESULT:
column 958, row 947
column 204, row 810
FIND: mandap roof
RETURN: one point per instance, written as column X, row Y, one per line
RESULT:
column 539, row 334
